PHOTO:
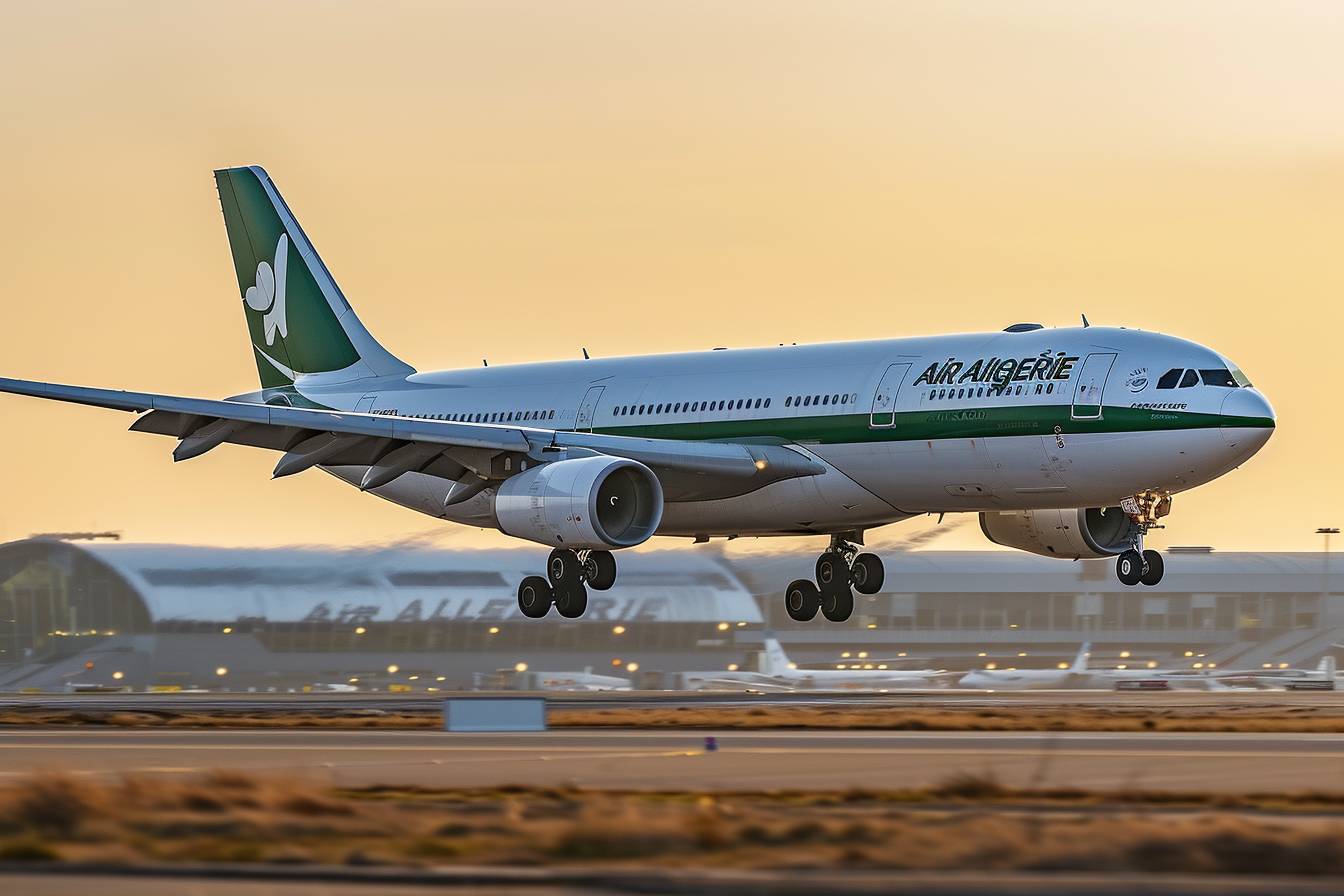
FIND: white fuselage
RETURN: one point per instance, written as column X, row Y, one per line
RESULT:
column 1048, row 418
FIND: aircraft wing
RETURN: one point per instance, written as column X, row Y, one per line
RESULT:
column 393, row 445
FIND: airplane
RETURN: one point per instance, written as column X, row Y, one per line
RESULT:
column 1068, row 442
column 1076, row 675
column 775, row 672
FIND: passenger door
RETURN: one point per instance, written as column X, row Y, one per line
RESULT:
column 884, row 398
column 587, row 408
column 1091, row 385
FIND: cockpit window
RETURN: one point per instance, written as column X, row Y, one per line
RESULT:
column 1218, row 377
column 1240, row 378
column 1190, row 379
column 1169, row 379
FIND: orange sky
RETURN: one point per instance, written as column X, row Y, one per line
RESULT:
column 518, row 180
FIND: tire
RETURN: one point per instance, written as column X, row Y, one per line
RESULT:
column 867, row 574
column 1129, row 567
column 599, row 570
column 535, row 597
column 572, row 600
column 802, row 600
column 562, row 568
column 1153, row 567
column 831, row 572
column 838, row 605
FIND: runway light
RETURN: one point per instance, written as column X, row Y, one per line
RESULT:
column 1281, row 665
column 1121, row 666
column 845, row 655
column 494, row 629
column 413, row 678
column 741, row 625
column 841, row 666
column 872, row 625
column 1213, row 665
column 1198, row 666
column 118, row 675
column 228, row 629
column 393, row 669
column 632, row 667
column 616, row 661
column 1124, row 654
column 991, row 665
column 360, row 630
column 863, row 654
column 1152, row 664
column 981, row 653
column 618, row 629
column 441, row 678
column 723, row 626
column 1066, row 665
column 867, row 665
column 1189, row 653
column 881, row 665
column 1262, row 665
column 221, row 671
column 1023, row 653
column 793, row 665
column 902, row 653
column 520, row 667
column 732, row 667
column 354, row 681
column 1012, row 625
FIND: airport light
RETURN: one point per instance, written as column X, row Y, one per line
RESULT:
column 1199, row 665
column 221, row 671
column 1283, row 665
column 1023, row 653
column 441, row 678
column 520, row 667
column 1189, row 653
column 841, row 666
column 981, row 653
column 863, row 654
column 902, row 653
column 359, row 630
column 1152, row 664
column 1213, row 665
column 845, row 655
column 723, row 626
column 732, row 667
column 632, row 667
column 872, row 625
column 393, row 669
column 867, row 665
column 354, row 681
column 793, row 665
column 1066, row 665
column 1121, row 666
column 991, row 665
column 494, row 629
column 228, row 629
column 118, row 675
column 741, row 625
column 881, row 665
column 1124, row 654
column 413, row 678
column 616, row 661
column 618, row 629
column 1266, row 665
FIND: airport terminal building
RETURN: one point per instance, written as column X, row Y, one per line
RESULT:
column 113, row 614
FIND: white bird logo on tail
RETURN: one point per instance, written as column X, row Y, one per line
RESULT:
column 267, row 297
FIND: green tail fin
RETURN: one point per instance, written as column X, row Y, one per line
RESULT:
column 297, row 317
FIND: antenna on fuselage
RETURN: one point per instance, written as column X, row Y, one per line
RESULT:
column 485, row 363
column 585, row 355
column 1086, row 323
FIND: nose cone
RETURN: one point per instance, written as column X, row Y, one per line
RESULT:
column 1248, row 420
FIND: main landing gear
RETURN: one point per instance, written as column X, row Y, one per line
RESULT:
column 1137, row 566
column 569, row 575
column 841, row 571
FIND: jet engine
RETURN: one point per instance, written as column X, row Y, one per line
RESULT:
column 1069, row 534
column 598, row 503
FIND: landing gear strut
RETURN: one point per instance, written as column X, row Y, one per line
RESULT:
column 841, row 570
column 569, row 575
column 1137, row 565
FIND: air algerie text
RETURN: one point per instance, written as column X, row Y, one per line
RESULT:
column 999, row 370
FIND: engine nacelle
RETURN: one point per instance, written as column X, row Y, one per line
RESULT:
column 597, row 503
column 1069, row 534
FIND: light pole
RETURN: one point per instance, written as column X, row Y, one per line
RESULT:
column 1326, row 532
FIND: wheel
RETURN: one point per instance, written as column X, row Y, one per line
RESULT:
column 802, row 600
column 1152, row 568
column 1129, row 567
column 535, row 597
column 599, row 570
column 867, row 574
column 571, row 600
column 837, row 604
column 831, row 571
column 563, row 567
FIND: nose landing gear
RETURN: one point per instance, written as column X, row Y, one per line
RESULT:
column 841, row 570
column 1137, row 565
column 569, row 575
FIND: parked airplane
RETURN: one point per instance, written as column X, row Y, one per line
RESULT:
column 1076, row 675
column 776, row 672
column 1069, row 443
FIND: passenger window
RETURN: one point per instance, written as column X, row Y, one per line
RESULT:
column 1169, row 379
column 788, row 401
column 825, row 399
column 807, row 401
column 767, row 402
column 1190, row 379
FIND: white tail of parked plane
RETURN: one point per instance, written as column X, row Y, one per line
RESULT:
column 1327, row 666
column 773, row 659
column 1079, row 666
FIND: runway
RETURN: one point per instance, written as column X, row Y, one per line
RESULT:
column 661, row 760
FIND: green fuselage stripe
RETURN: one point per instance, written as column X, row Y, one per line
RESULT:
column 970, row 423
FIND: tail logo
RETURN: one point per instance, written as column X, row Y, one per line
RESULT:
column 267, row 297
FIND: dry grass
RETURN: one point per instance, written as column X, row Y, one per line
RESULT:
column 964, row 822
column 1269, row 716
